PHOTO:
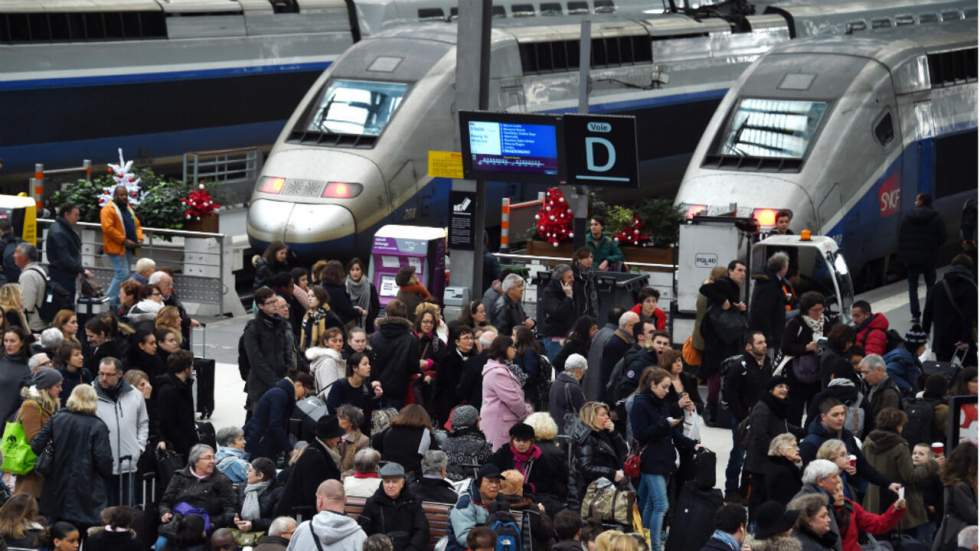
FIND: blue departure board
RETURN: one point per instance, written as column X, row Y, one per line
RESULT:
column 509, row 147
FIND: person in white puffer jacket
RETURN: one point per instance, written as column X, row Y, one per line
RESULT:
column 335, row 530
column 327, row 364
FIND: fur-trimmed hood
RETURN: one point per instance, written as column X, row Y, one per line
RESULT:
column 781, row 543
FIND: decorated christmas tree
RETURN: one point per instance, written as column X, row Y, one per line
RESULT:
column 632, row 234
column 199, row 203
column 554, row 218
column 122, row 175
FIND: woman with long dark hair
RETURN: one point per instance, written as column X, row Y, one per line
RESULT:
column 529, row 360
column 408, row 438
column 333, row 278
column 474, row 315
column 273, row 261
column 959, row 477
column 363, row 294
column 356, row 389
column 578, row 342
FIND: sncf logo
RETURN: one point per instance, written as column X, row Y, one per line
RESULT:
column 890, row 195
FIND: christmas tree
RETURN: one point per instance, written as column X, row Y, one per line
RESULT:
column 199, row 203
column 123, row 176
column 632, row 234
column 554, row 218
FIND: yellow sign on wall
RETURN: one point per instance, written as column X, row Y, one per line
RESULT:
column 445, row 164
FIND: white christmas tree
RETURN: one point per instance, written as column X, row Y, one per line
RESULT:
column 123, row 176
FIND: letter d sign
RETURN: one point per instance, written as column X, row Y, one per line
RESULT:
column 590, row 145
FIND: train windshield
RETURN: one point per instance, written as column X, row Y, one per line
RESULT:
column 770, row 128
column 354, row 107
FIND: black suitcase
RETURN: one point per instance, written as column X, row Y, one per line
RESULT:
column 692, row 518
column 204, row 379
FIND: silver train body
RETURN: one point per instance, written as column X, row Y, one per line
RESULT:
column 354, row 154
column 845, row 133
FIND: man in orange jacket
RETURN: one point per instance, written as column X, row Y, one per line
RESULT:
column 121, row 235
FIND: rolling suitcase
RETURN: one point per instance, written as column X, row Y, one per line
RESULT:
column 204, row 380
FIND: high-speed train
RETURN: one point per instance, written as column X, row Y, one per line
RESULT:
column 353, row 155
column 845, row 133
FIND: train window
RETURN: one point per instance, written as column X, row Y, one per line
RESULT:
column 904, row 20
column 970, row 13
column 881, row 23
column 953, row 67
column 928, row 18
column 952, row 16
column 578, row 8
column 498, row 12
column 355, row 108
column 431, row 14
column 453, row 13
column 775, row 129
column 522, row 10
column 551, row 8
column 604, row 6
column 884, row 129
column 76, row 27
column 954, row 173
column 856, row 26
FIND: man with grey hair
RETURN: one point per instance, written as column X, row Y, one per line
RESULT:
column 433, row 485
column 772, row 296
column 365, row 480
column 882, row 391
column 566, row 395
column 616, row 347
column 51, row 339
column 966, row 540
column 33, row 284
column 280, row 532
column 556, row 309
column 165, row 282
column 123, row 409
column 509, row 308
column 231, row 458
column 822, row 477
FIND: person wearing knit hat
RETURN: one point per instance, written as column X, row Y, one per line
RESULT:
column 464, row 417
column 465, row 445
column 767, row 420
column 39, row 405
column 903, row 365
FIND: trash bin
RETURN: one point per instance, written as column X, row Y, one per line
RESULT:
column 617, row 289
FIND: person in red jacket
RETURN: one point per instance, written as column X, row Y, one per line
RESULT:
column 853, row 520
column 646, row 307
column 871, row 329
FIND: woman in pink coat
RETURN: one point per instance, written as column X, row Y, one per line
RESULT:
column 503, row 393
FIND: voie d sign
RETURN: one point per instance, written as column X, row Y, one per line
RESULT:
column 603, row 127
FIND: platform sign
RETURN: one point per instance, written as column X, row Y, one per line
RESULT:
column 462, row 210
column 445, row 164
column 600, row 150
column 511, row 147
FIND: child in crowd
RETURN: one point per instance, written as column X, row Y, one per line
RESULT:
column 925, row 465
column 481, row 538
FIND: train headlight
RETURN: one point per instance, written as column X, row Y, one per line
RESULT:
column 341, row 190
column 765, row 217
column 272, row 184
column 690, row 211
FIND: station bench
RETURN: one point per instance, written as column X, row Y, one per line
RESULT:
column 436, row 513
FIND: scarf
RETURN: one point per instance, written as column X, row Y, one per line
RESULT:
column 366, row 475
column 360, row 293
column 250, row 507
column 815, row 325
column 727, row 539
column 517, row 372
column 523, row 460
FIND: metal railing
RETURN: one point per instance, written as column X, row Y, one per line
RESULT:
column 231, row 173
column 202, row 273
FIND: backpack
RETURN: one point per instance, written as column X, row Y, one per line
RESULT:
column 244, row 367
column 506, row 530
column 54, row 298
column 893, row 340
column 920, row 428
column 728, row 364
column 615, row 378
column 806, row 368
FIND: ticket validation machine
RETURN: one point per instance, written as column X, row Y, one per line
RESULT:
column 422, row 247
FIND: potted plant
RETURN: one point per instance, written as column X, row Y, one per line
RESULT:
column 201, row 212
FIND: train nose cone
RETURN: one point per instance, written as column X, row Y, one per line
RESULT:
column 298, row 223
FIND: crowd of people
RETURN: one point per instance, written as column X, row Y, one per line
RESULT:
column 836, row 429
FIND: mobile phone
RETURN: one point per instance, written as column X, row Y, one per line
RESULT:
column 901, row 493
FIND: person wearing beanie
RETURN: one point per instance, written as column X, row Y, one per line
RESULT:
column 902, row 363
column 767, row 420
column 41, row 401
column 465, row 445
column 313, row 467
column 773, row 526
column 523, row 455
column 566, row 396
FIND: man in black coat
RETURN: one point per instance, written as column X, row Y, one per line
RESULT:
column 584, row 288
column 200, row 484
column 267, row 346
column 920, row 236
column 724, row 294
column 640, row 356
column 175, row 403
column 566, row 395
column 434, row 486
column 267, row 431
column 64, row 248
column 951, row 310
column 395, row 511
column 557, row 312
column 397, row 352
column 772, row 293
column 509, row 309
column 617, row 346
column 731, row 529
column 744, row 382
column 313, row 467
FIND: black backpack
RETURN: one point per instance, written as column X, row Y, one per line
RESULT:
column 921, row 426
column 243, row 364
column 54, row 298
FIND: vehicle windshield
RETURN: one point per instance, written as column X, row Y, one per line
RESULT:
column 770, row 128
column 353, row 107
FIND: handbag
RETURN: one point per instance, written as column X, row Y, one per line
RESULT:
column 44, row 465
column 728, row 325
column 631, row 467
column 690, row 354
column 692, row 425
column 606, row 502
column 18, row 457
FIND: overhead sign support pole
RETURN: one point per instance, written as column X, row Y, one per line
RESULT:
column 577, row 196
column 472, row 93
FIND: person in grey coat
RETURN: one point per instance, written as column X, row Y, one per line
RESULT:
column 123, row 409
column 268, row 346
column 592, row 385
column 33, row 284
column 566, row 394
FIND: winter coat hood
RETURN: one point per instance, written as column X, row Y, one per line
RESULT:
column 781, row 543
column 333, row 527
column 880, row 441
column 394, row 327
column 494, row 364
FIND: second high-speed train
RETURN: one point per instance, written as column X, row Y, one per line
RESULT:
column 845, row 133
column 353, row 155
